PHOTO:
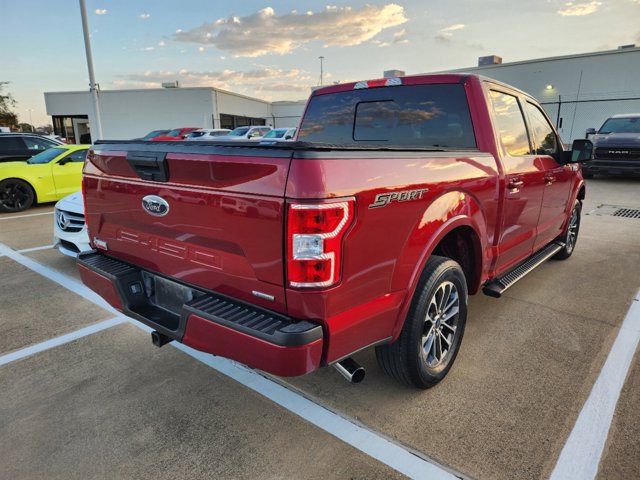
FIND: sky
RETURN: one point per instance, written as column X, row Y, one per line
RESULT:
column 271, row 49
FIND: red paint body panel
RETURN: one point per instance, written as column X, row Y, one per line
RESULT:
column 217, row 237
column 283, row 361
column 102, row 286
column 226, row 229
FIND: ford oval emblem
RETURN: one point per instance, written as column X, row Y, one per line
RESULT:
column 155, row 205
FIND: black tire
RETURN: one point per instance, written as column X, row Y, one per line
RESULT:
column 413, row 358
column 570, row 236
column 15, row 195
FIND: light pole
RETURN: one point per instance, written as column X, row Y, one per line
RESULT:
column 30, row 110
column 321, row 72
column 93, row 87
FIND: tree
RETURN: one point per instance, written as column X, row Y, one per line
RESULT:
column 26, row 127
column 8, row 118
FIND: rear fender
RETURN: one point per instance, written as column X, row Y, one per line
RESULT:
column 452, row 210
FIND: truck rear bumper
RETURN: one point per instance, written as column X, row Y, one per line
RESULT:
column 204, row 320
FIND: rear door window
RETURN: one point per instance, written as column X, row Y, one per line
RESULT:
column 510, row 122
column 414, row 115
column 11, row 144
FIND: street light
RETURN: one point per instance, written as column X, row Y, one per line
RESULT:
column 93, row 86
column 30, row 110
column 321, row 72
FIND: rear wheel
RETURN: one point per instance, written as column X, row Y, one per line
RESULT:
column 432, row 332
column 15, row 195
column 570, row 236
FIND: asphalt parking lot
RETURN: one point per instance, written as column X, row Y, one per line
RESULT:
column 84, row 393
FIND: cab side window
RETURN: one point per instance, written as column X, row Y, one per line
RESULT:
column 77, row 156
column 545, row 140
column 510, row 122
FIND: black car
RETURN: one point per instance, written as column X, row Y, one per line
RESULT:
column 616, row 147
column 22, row 146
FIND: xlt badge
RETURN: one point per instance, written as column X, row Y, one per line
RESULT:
column 155, row 205
column 384, row 199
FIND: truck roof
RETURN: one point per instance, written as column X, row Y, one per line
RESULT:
column 411, row 80
column 625, row 115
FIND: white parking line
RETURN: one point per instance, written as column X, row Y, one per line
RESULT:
column 580, row 456
column 61, row 340
column 27, row 215
column 35, row 249
column 60, row 278
column 367, row 441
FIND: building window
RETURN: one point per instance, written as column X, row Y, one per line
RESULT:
column 63, row 127
column 233, row 121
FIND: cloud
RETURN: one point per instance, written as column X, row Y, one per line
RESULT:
column 148, row 49
column 579, row 9
column 264, row 32
column 262, row 79
column 446, row 34
column 101, row 11
column 144, row 16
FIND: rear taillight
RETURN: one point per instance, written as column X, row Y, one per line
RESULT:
column 314, row 234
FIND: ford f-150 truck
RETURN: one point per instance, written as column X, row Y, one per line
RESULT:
column 398, row 198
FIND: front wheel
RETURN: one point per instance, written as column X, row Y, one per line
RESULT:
column 430, row 338
column 15, row 195
column 570, row 236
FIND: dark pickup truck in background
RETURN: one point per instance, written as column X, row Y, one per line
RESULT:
column 398, row 198
column 617, row 146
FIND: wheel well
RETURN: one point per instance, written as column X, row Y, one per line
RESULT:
column 463, row 245
column 582, row 193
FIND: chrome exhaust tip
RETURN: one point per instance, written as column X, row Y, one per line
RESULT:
column 350, row 369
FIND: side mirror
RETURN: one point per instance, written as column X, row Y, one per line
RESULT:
column 581, row 151
column 64, row 161
column 288, row 137
column 590, row 131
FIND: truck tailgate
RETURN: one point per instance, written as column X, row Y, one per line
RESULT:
column 206, row 215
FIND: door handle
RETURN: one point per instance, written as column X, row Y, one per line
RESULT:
column 515, row 185
column 550, row 179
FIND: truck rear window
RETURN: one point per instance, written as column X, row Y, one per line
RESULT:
column 414, row 115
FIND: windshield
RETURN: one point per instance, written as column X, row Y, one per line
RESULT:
column 434, row 115
column 278, row 133
column 238, row 132
column 197, row 134
column 46, row 156
column 621, row 125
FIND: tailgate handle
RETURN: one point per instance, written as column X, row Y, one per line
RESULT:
column 149, row 165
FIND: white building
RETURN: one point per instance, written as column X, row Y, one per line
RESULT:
column 127, row 114
column 577, row 91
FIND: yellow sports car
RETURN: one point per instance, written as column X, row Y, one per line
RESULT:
column 45, row 177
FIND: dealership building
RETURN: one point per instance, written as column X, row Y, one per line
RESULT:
column 577, row 91
column 127, row 114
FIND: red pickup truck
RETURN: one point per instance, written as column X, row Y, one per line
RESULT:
column 398, row 198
